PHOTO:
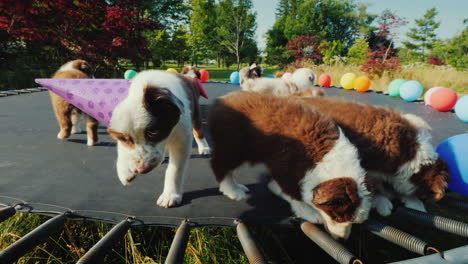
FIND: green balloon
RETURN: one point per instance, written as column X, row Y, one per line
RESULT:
column 394, row 87
column 129, row 74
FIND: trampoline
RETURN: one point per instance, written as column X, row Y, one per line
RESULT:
column 67, row 179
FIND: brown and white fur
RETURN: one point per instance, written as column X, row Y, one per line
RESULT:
column 68, row 115
column 311, row 163
column 301, row 79
column 159, row 114
column 191, row 71
column 252, row 72
column 395, row 149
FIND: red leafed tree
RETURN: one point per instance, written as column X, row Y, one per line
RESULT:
column 381, row 60
column 88, row 29
column 433, row 60
column 306, row 48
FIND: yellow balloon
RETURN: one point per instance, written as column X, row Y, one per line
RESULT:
column 171, row 70
column 347, row 81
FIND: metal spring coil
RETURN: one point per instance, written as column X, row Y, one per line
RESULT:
column 398, row 237
column 439, row 222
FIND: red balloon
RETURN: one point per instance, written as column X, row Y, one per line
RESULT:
column 204, row 75
column 443, row 99
column 325, row 80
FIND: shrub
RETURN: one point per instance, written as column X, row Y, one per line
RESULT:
column 380, row 61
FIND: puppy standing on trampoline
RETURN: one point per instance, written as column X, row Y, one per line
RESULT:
column 311, row 163
column 68, row 115
column 159, row 114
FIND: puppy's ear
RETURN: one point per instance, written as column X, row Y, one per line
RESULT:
column 161, row 102
column 84, row 66
column 432, row 181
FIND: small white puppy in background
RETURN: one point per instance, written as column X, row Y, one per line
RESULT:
column 160, row 113
column 301, row 79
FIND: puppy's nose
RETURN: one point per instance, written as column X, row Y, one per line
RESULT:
column 143, row 170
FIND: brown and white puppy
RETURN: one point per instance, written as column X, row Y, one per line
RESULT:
column 251, row 72
column 303, row 78
column 394, row 148
column 191, row 71
column 68, row 115
column 159, row 114
column 311, row 163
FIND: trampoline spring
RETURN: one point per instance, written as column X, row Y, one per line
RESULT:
column 399, row 237
column 179, row 244
column 454, row 203
column 249, row 246
column 328, row 244
column 6, row 213
column 98, row 251
column 439, row 222
column 32, row 239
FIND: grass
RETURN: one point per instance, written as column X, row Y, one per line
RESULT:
column 150, row 245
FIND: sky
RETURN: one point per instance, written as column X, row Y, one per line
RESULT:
column 451, row 14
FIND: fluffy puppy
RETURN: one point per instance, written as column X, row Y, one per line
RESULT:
column 312, row 164
column 191, row 71
column 251, row 72
column 159, row 114
column 68, row 115
column 301, row 79
column 394, row 148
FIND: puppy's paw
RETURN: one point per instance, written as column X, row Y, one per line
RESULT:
column 414, row 203
column 383, row 205
column 235, row 191
column 167, row 200
column 204, row 151
column 91, row 142
column 313, row 217
column 62, row 135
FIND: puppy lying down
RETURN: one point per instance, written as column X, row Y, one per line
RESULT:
column 312, row 164
column 394, row 148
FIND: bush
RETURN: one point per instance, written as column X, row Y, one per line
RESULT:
column 380, row 61
column 359, row 52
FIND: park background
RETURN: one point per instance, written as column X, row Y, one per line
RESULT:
column 385, row 41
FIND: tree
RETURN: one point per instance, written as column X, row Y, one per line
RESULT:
column 331, row 50
column 423, row 37
column 235, row 24
column 358, row 53
column 179, row 47
column 380, row 61
column 456, row 51
column 202, row 26
column 306, row 48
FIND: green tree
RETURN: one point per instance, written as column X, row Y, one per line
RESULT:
column 455, row 50
column 359, row 52
column 235, row 24
column 179, row 46
column 202, row 25
column 423, row 36
column 159, row 44
column 331, row 50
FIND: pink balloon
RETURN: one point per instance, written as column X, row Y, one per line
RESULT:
column 286, row 76
column 427, row 95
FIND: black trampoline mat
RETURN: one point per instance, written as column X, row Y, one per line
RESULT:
column 54, row 176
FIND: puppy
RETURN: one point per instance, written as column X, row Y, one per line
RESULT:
column 312, row 164
column 301, row 79
column 159, row 114
column 313, row 91
column 394, row 148
column 251, row 72
column 191, row 71
column 67, row 115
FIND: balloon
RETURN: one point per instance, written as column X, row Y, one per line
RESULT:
column 443, row 99
column 347, row 80
column 235, row 77
column 269, row 76
column 427, row 95
column 394, row 87
column 362, row 84
column 129, row 74
column 172, row 70
column 454, row 151
column 325, row 80
column 204, row 75
column 286, row 76
column 461, row 108
column 411, row 90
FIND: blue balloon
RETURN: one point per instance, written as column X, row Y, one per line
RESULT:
column 235, row 78
column 461, row 108
column 411, row 90
column 454, row 151
column 270, row 76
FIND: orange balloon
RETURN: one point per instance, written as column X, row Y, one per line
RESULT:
column 362, row 84
column 325, row 80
